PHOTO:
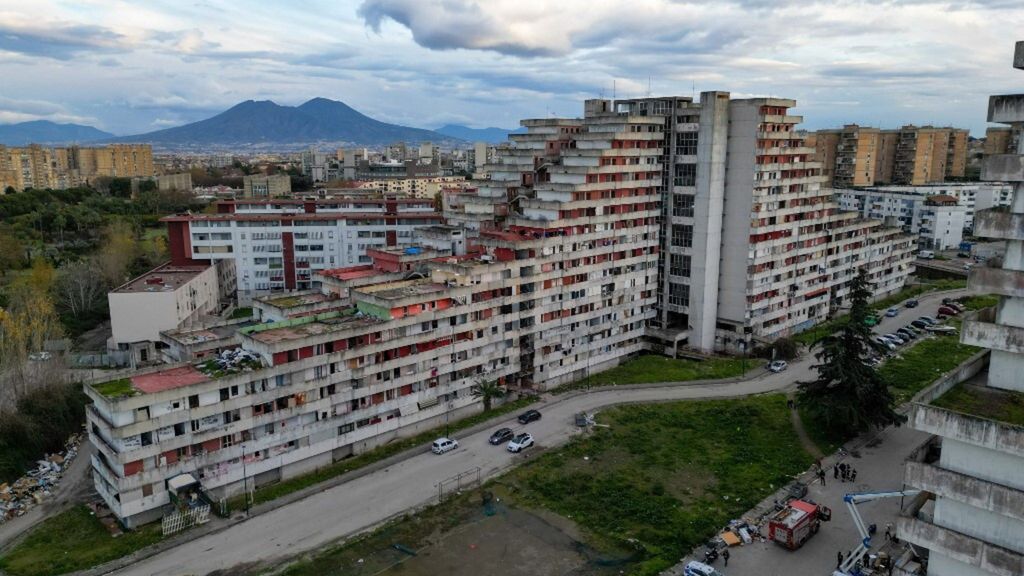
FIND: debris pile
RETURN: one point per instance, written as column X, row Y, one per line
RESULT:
column 231, row 362
column 32, row 489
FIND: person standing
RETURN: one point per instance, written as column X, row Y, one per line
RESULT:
column 835, row 472
column 821, row 476
column 839, row 559
column 853, row 475
column 725, row 556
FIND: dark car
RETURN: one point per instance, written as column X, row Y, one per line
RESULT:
column 910, row 303
column 947, row 300
column 501, row 436
column 948, row 310
column 906, row 333
column 920, row 324
column 529, row 416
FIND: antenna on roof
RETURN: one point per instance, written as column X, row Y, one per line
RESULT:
column 613, row 88
column 693, row 89
column 648, row 85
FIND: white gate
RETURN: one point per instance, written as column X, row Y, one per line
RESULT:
column 181, row 519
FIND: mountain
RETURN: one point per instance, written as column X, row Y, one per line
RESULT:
column 263, row 123
column 46, row 132
column 489, row 135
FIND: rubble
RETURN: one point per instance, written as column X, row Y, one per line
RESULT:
column 32, row 489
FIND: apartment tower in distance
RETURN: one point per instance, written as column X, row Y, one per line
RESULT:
column 976, row 527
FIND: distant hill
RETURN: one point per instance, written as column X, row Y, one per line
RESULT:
column 262, row 123
column 46, row 132
column 490, row 135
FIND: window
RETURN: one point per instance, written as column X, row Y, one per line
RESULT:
column 147, row 490
column 679, row 265
column 682, row 205
column 345, row 429
column 685, row 175
column 679, row 294
column 682, row 235
column 686, row 144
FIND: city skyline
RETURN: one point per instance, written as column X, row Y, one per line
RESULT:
column 133, row 69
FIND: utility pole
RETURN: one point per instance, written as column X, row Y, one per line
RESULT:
column 245, row 482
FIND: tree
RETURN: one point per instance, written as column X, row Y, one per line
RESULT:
column 849, row 395
column 12, row 252
column 79, row 290
column 117, row 253
column 488, row 390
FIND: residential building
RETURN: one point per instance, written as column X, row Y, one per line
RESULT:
column 169, row 297
column 912, row 155
column 938, row 220
column 277, row 245
column 315, row 165
column 264, row 186
column 973, row 196
column 753, row 247
column 415, row 187
column 977, row 525
column 479, row 156
column 564, row 287
column 34, row 166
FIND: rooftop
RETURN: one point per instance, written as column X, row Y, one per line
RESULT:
column 163, row 278
column 292, row 301
column 190, row 337
column 350, row 273
column 306, row 326
column 974, row 398
column 396, row 290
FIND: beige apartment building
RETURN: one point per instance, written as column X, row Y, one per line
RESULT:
column 263, row 186
column 854, row 155
column 34, row 166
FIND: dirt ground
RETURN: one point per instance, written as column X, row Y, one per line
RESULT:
column 511, row 542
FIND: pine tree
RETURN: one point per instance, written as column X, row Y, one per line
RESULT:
column 849, row 394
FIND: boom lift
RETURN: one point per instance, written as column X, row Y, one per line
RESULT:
column 848, row 566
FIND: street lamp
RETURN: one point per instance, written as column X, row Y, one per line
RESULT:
column 245, row 482
column 743, row 354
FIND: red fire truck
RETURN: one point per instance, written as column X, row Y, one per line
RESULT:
column 797, row 522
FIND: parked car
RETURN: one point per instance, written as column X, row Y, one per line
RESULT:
column 942, row 329
column 968, row 266
column 912, row 303
column 500, row 436
column 914, row 329
column 928, row 320
column 442, row 445
column 884, row 342
column 900, row 340
column 926, row 254
column 920, row 324
column 957, row 306
column 695, row 568
column 892, row 312
column 778, row 365
column 948, row 309
column 520, row 442
column 963, row 254
column 906, row 334
column 529, row 416
column 947, row 300
column 873, row 361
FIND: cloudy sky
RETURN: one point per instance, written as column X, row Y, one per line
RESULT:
column 130, row 67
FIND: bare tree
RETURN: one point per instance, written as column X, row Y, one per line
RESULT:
column 78, row 288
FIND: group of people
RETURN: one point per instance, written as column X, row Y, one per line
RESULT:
column 845, row 472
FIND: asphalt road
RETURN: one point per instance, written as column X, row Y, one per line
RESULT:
column 355, row 506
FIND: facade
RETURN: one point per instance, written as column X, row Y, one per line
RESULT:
column 263, row 186
column 753, row 247
column 973, row 196
column 937, row 220
column 998, row 140
column 416, row 187
column 34, row 166
column 565, row 285
column 277, row 245
column 912, row 155
column 169, row 297
column 977, row 527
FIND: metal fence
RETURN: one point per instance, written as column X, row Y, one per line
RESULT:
column 181, row 519
column 458, row 483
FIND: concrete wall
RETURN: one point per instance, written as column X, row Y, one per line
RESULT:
column 739, row 179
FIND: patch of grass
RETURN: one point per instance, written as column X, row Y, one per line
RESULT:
column 812, row 335
column 666, row 476
column 279, row 489
column 1001, row 405
column 120, row 388
column 652, row 368
column 285, row 301
column 920, row 365
column 241, row 313
column 70, row 541
column 978, row 302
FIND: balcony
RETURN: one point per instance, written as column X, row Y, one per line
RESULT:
column 997, row 281
column 1003, row 167
column 968, row 429
column 999, row 224
column 987, row 557
column 1006, row 109
column 996, row 498
column 980, row 329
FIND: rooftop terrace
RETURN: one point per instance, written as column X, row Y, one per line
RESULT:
column 306, row 326
column 292, row 301
column 397, row 290
column 164, row 278
column 974, row 398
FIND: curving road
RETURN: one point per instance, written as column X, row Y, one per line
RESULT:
column 364, row 502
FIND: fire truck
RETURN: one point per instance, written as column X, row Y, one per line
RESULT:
column 796, row 523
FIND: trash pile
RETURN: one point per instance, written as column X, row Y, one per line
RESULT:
column 231, row 362
column 32, row 489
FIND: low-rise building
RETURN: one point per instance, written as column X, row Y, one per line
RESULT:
column 972, row 196
column 169, row 297
column 937, row 220
column 263, row 186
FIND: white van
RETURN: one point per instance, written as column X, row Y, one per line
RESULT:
column 926, row 254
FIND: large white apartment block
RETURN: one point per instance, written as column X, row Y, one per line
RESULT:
column 938, row 220
column 972, row 196
column 276, row 245
column 753, row 247
column 564, row 286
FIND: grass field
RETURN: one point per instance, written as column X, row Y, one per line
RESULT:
column 652, row 368
column 73, row 540
column 918, row 366
column 659, row 479
column 1000, row 405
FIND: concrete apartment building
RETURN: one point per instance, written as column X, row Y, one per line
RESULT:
column 415, row 187
column 566, row 285
column 276, row 245
column 753, row 247
column 972, row 196
column 912, row 155
column 34, row 166
column 264, row 186
column 938, row 220
column 977, row 525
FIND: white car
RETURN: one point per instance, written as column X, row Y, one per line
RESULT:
column 442, row 445
column 520, row 442
column 695, row 568
column 885, row 342
column 778, row 366
column 941, row 329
